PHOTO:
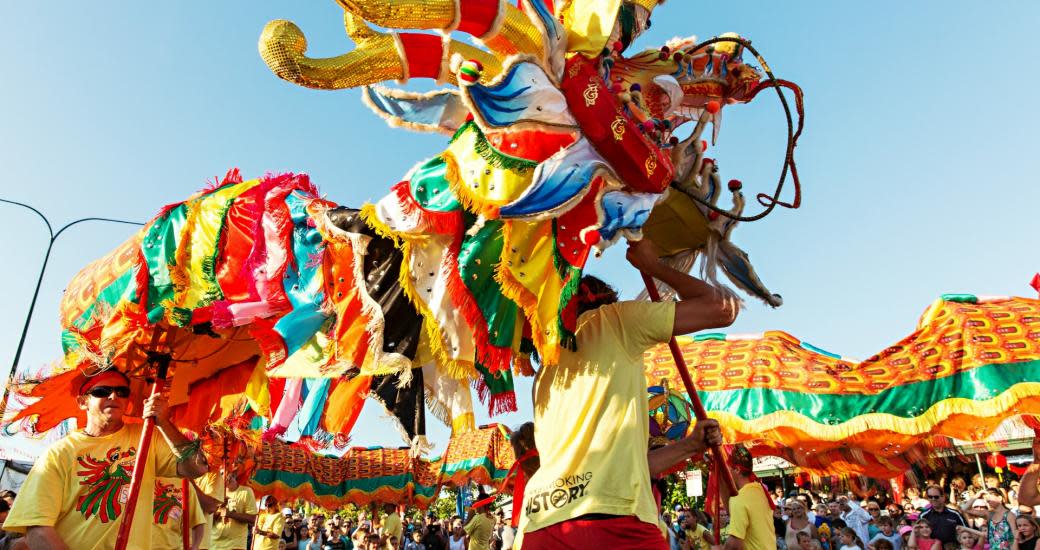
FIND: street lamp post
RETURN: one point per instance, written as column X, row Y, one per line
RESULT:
column 39, row 281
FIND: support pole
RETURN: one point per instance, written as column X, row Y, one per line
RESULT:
column 162, row 363
column 698, row 407
column 185, row 516
column 978, row 462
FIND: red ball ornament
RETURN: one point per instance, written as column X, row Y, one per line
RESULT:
column 713, row 215
column 618, row 46
column 713, row 107
column 735, row 185
column 648, row 125
column 615, row 88
column 590, row 238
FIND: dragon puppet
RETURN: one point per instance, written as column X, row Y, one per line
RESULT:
column 559, row 145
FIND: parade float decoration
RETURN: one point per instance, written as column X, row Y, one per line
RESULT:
column 972, row 363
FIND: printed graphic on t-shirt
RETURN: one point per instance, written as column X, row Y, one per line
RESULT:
column 167, row 503
column 104, row 483
column 561, row 492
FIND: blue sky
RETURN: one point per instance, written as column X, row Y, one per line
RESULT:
column 916, row 164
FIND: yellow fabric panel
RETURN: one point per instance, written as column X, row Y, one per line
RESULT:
column 589, row 24
column 479, row 185
column 529, row 277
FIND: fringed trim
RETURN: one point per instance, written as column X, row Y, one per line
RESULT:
column 440, row 223
column 398, row 122
column 522, row 365
column 493, row 157
column 502, row 403
column 495, row 358
column 463, row 423
column 371, row 218
column 469, row 200
column 528, row 302
column 269, row 342
column 402, row 57
column 394, row 421
column 179, row 271
column 439, row 409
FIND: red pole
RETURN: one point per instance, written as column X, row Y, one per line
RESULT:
column 185, row 519
column 698, row 407
column 162, row 362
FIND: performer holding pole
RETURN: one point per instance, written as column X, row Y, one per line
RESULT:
column 74, row 496
column 590, row 414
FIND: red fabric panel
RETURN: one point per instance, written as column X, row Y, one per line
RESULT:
column 639, row 163
column 623, row 533
column 477, row 16
column 423, row 53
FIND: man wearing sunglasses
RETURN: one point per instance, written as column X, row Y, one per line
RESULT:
column 943, row 519
column 76, row 493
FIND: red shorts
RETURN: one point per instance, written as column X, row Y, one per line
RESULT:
column 621, row 533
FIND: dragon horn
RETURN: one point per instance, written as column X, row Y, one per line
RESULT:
column 499, row 25
column 378, row 56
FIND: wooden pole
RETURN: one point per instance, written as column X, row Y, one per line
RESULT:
column 698, row 407
column 162, row 363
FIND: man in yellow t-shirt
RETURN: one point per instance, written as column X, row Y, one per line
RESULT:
column 591, row 423
column 75, row 494
column 391, row 522
column 269, row 526
column 479, row 527
column 750, row 510
column 168, row 516
column 210, row 489
column 234, row 518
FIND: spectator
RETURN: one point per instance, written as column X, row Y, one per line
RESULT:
column 874, row 509
column 850, row 540
column 798, row 522
column 1026, row 533
column 7, row 496
column 886, row 532
column 391, row 524
column 457, row 541
column 309, row 540
column 999, row 532
column 415, row 543
column 969, row 539
column 942, row 519
column 806, row 542
column 921, row 537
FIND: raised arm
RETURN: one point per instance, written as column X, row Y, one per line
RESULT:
column 1028, row 495
column 44, row 538
column 701, row 306
column 705, row 433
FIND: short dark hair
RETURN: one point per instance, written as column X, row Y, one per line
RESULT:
column 593, row 292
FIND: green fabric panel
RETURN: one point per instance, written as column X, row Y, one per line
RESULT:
column 498, row 383
column 961, row 298
column 370, row 485
column 906, row 401
column 431, row 189
column 478, row 256
column 709, row 336
column 123, row 288
column 160, row 250
column 471, row 463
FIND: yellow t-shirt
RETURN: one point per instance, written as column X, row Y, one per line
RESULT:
column 230, row 534
column 751, row 518
column 80, row 486
column 167, row 514
column 392, row 525
column 696, row 537
column 272, row 522
column 212, row 484
column 479, row 531
column 591, row 421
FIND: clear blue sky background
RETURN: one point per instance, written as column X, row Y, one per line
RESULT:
column 918, row 158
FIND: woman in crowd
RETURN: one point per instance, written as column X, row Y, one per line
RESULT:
column 999, row 532
column 457, row 540
column 798, row 522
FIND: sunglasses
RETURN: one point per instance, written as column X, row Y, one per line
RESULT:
column 101, row 392
column 934, row 497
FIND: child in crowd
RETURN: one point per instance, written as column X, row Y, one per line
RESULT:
column 806, row 542
column 968, row 539
column 850, row 540
column 921, row 537
column 888, row 533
